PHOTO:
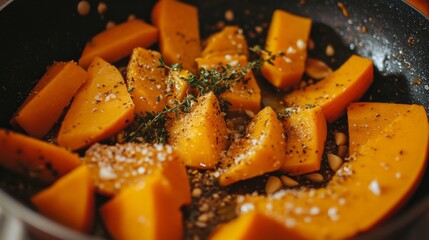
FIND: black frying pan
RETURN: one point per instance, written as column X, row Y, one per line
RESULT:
column 35, row 33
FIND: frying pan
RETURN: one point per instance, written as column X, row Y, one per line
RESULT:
column 35, row 33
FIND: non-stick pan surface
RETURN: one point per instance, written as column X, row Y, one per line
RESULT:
column 33, row 34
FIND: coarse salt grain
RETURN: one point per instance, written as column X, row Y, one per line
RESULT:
column 333, row 214
column 287, row 60
column 298, row 211
column 141, row 170
column 290, row 222
column 342, row 201
column 233, row 63
column 247, row 207
column 300, row 44
column 291, row 50
column 398, row 175
column 314, row 211
column 374, row 187
column 107, row 173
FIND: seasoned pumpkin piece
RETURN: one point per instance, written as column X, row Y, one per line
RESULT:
column 34, row 158
column 46, row 102
column 229, row 41
column 262, row 149
column 382, row 174
column 306, row 132
column 144, row 210
column 146, row 81
column 288, row 34
column 119, row 41
column 117, row 167
column 244, row 95
column 69, row 201
column 253, row 226
column 101, row 108
column 199, row 137
column 366, row 120
column 179, row 36
column 177, row 87
column 335, row 92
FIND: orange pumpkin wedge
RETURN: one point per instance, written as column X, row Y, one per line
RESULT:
column 364, row 191
column 35, row 158
column 179, row 33
column 177, row 87
column 259, row 152
column 287, row 34
column 306, row 132
column 199, row 136
column 70, row 201
column 229, row 41
column 101, row 108
column 146, row 81
column 366, row 120
column 116, row 167
column 119, row 41
column 144, row 211
column 253, row 226
column 335, row 92
column 46, row 102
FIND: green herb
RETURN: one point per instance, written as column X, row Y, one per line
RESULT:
column 150, row 127
column 130, row 89
column 308, row 106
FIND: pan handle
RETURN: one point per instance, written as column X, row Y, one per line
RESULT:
column 11, row 228
column 4, row 3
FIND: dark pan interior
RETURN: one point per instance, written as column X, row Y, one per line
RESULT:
column 33, row 34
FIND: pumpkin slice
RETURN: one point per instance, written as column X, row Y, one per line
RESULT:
column 382, row 174
column 179, row 32
column 253, row 226
column 177, row 87
column 144, row 210
column 101, row 108
column 335, row 92
column 244, row 95
column 31, row 157
column 119, row 41
column 259, row 152
column 70, row 201
column 146, row 82
column 305, row 140
column 46, row 102
column 287, row 34
column 229, row 41
column 199, row 137
column 367, row 120
column 117, row 167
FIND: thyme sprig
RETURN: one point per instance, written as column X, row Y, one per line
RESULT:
column 150, row 127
